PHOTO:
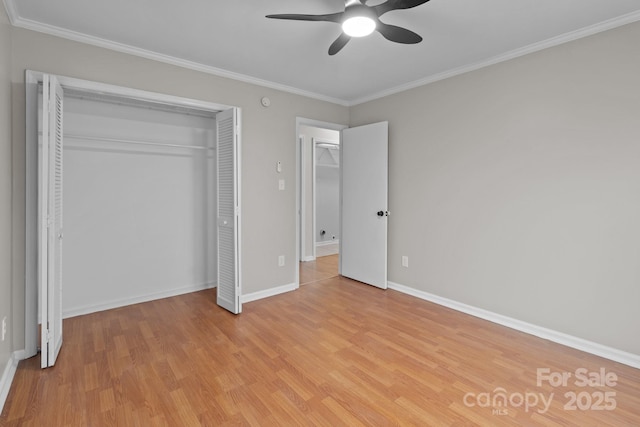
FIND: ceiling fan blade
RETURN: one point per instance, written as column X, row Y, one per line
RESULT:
column 390, row 5
column 340, row 42
column 330, row 17
column 398, row 34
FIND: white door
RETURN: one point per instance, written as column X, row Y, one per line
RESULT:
column 228, row 158
column 50, row 221
column 363, row 236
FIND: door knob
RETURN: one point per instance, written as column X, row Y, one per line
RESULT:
column 380, row 213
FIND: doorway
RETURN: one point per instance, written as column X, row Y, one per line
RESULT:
column 318, row 199
column 325, row 211
column 326, row 196
column 363, row 203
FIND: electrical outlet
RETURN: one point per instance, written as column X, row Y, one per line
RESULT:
column 281, row 261
column 4, row 327
column 281, row 184
column 405, row 261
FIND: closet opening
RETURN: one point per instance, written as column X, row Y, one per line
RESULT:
column 139, row 202
column 151, row 201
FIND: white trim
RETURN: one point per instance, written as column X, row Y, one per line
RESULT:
column 28, row 24
column 327, row 242
column 137, row 94
column 254, row 296
column 308, row 258
column 93, row 308
column 31, row 312
column 238, row 165
column 313, row 198
column 302, row 212
column 12, row 13
column 610, row 353
column 7, row 377
column 20, row 355
column 535, row 47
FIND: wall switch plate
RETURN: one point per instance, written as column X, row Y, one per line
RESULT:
column 281, row 184
column 281, row 261
column 4, row 328
column 405, row 261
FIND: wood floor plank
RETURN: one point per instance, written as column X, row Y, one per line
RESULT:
column 335, row 352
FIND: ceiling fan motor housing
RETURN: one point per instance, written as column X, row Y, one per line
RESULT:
column 359, row 20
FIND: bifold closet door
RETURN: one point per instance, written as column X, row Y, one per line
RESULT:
column 228, row 154
column 50, row 221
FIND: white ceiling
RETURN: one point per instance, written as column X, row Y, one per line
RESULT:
column 233, row 38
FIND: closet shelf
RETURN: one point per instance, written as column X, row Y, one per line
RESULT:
column 136, row 142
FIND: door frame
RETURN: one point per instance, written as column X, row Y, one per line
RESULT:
column 302, row 121
column 32, row 80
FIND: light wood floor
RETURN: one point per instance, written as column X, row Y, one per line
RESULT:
column 334, row 352
column 322, row 268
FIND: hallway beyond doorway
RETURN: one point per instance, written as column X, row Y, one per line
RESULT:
column 322, row 268
column 323, row 250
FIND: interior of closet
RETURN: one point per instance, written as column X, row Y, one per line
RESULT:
column 139, row 201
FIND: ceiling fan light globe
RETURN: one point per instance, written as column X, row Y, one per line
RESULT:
column 358, row 26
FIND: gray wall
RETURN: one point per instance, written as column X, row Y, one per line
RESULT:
column 516, row 188
column 5, row 185
column 268, row 136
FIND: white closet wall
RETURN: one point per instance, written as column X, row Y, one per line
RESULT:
column 139, row 217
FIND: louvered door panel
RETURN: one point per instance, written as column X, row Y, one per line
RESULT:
column 56, row 171
column 228, row 212
column 50, row 230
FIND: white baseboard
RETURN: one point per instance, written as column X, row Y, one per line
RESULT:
column 6, row 379
column 20, row 355
column 78, row 311
column 610, row 353
column 308, row 259
column 254, row 296
column 327, row 242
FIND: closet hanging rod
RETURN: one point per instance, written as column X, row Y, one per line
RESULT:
column 130, row 141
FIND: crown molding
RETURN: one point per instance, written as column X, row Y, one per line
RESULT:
column 535, row 47
column 12, row 13
column 17, row 21
column 52, row 30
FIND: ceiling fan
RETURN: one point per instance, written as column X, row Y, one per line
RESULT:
column 359, row 20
